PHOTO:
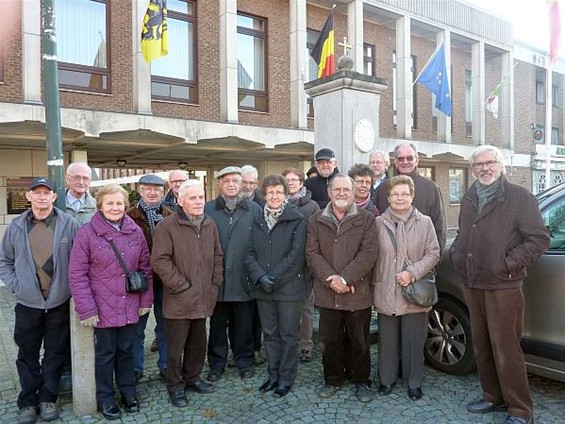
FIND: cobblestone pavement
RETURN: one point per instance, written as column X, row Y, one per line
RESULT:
column 238, row 401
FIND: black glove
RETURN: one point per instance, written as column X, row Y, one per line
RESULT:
column 267, row 283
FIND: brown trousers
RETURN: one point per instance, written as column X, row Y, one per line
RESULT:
column 497, row 318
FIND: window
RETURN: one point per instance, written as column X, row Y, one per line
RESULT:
column 427, row 171
column 540, row 185
column 557, row 179
column 395, row 88
column 457, row 184
column 368, row 59
column 540, row 92
column 173, row 77
column 468, row 104
column 252, row 62
column 83, row 44
column 555, row 136
column 311, row 38
column 555, row 96
column 554, row 219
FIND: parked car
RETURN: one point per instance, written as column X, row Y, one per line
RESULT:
column 448, row 346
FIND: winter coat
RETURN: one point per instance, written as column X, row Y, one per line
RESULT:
column 422, row 253
column 280, row 254
column 348, row 249
column 234, row 230
column 170, row 201
column 318, row 186
column 86, row 211
column 306, row 205
column 17, row 268
column 189, row 262
column 493, row 248
column 98, row 282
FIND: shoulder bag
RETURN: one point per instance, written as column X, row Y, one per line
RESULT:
column 136, row 281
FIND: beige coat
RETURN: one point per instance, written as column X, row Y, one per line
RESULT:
column 422, row 250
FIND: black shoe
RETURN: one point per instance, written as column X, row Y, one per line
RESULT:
column 131, row 404
column 268, row 386
column 110, row 411
column 178, row 398
column 214, row 375
column 247, row 373
column 200, row 387
column 386, row 389
column 281, row 390
column 415, row 394
column 482, row 406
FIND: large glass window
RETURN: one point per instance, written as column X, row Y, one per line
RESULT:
column 252, row 62
column 457, row 184
column 173, row 77
column 83, row 44
column 554, row 219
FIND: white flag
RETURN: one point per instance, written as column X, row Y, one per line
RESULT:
column 491, row 103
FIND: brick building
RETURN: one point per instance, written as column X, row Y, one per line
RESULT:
column 231, row 90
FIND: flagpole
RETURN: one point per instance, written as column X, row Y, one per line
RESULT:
column 548, row 123
column 428, row 62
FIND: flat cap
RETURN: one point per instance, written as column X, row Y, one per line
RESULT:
column 229, row 170
column 152, row 179
column 41, row 181
column 325, row 154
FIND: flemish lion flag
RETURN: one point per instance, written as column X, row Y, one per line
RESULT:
column 155, row 34
column 323, row 52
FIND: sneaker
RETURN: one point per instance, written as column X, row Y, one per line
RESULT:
column 364, row 393
column 305, row 356
column 327, row 391
column 27, row 415
column 48, row 411
column 154, row 346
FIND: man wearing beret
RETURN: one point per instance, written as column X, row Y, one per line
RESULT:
column 34, row 261
column 326, row 167
column 148, row 212
column 233, row 313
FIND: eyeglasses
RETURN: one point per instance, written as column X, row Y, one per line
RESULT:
column 405, row 158
column 176, row 181
column 400, row 195
column 151, row 189
column 488, row 163
column 275, row 194
column 230, row 181
column 78, row 178
column 292, row 180
column 363, row 182
column 341, row 190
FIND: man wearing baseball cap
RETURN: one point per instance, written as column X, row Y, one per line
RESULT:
column 326, row 165
column 34, row 259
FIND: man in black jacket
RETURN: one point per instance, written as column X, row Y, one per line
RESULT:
column 326, row 165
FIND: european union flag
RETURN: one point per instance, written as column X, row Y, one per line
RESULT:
column 434, row 77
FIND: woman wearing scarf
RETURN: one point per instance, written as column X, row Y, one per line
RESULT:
column 275, row 262
column 407, row 250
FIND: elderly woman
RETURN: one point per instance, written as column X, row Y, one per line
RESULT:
column 299, row 196
column 407, row 250
column 275, row 261
column 98, row 286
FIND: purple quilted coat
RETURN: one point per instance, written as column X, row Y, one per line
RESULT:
column 96, row 278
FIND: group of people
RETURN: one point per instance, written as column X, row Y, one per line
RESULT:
column 262, row 258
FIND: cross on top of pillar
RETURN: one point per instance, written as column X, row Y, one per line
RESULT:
column 346, row 47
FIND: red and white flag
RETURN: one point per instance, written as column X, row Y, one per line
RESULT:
column 554, row 30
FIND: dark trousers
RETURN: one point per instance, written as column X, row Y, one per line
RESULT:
column 114, row 356
column 333, row 324
column 34, row 327
column 257, row 333
column 186, row 351
column 233, row 319
column 497, row 318
column 281, row 321
column 139, row 344
column 412, row 329
column 160, row 326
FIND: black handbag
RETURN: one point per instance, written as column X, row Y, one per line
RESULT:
column 422, row 292
column 136, row 281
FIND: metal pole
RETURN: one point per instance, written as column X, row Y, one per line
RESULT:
column 52, row 106
column 548, row 124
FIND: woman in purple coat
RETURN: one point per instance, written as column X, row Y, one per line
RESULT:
column 98, row 287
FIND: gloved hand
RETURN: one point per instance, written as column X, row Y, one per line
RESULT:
column 90, row 322
column 143, row 311
column 267, row 283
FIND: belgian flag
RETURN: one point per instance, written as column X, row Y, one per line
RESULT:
column 155, row 33
column 323, row 52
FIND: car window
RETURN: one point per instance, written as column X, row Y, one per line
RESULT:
column 554, row 219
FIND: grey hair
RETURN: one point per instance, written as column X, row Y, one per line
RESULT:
column 485, row 149
column 341, row 175
column 187, row 184
column 76, row 165
column 385, row 157
column 406, row 144
column 249, row 169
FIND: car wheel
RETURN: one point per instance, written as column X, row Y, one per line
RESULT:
column 448, row 346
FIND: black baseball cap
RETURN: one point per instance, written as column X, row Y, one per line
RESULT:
column 325, row 154
column 41, row 181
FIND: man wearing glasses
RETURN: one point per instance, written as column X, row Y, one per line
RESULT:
column 78, row 201
column 427, row 195
column 176, row 178
column 326, row 166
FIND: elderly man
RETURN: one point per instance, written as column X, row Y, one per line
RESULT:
column 501, row 232
column 188, row 257
column 34, row 262
column 341, row 249
column 78, row 201
column 427, row 195
column 249, row 182
column 176, row 178
column 148, row 212
column 326, row 167
column 379, row 161
column 363, row 176
column 233, row 314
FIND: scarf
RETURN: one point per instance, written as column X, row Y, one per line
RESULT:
column 231, row 202
column 273, row 215
column 196, row 222
column 485, row 193
column 150, row 211
column 296, row 196
column 399, row 222
column 363, row 203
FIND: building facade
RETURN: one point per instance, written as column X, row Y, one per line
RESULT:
column 231, row 89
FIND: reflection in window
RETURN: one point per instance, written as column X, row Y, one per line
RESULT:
column 173, row 77
column 457, row 184
column 82, row 44
column 251, row 62
column 554, row 220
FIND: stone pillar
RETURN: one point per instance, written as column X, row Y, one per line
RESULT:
column 506, row 106
column 355, row 32
column 228, row 61
column 298, row 64
column 346, row 107
column 141, row 70
column 478, row 89
column 31, row 51
column 444, row 121
column 404, row 86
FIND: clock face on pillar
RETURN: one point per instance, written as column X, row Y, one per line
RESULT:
column 364, row 135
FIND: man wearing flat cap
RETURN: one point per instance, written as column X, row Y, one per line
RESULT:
column 34, row 261
column 326, row 167
column 148, row 212
column 233, row 313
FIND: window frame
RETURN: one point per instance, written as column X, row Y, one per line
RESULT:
column 369, row 61
column 540, row 87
